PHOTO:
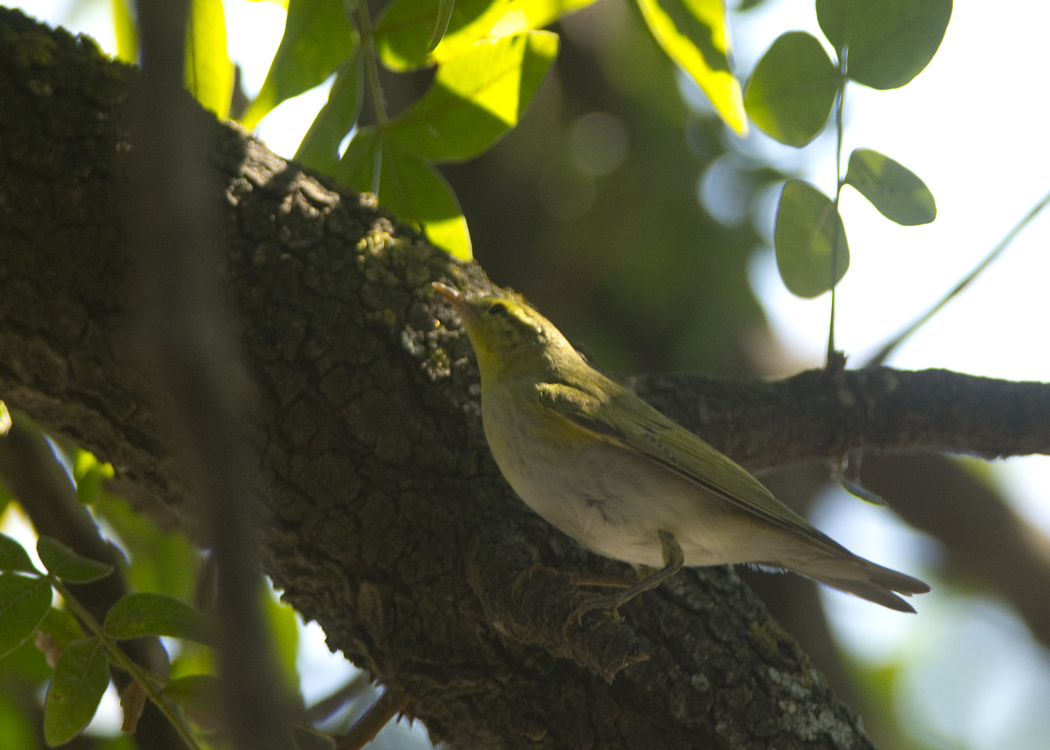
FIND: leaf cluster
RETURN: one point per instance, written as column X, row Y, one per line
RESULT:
column 793, row 93
column 489, row 58
column 80, row 648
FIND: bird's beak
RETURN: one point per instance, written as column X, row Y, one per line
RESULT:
column 454, row 296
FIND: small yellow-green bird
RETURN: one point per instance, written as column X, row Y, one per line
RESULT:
column 625, row 481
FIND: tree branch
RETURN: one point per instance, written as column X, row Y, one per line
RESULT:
column 817, row 415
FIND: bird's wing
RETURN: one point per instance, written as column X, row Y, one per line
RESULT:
column 615, row 415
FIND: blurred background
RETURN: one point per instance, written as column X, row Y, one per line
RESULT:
column 641, row 226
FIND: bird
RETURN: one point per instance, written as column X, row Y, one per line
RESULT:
column 624, row 480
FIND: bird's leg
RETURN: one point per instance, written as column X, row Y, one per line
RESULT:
column 609, row 582
column 674, row 559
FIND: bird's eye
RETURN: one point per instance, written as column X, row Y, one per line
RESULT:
column 497, row 309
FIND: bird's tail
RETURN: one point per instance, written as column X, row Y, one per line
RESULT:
column 865, row 579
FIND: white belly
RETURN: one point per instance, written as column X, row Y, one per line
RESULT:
column 611, row 499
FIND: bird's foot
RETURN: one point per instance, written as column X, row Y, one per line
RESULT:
column 585, row 603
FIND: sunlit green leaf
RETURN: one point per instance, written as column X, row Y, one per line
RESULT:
column 409, row 186
column 209, row 72
column 444, row 13
column 318, row 36
column 66, row 564
column 13, row 556
column 887, row 42
column 126, row 32
column 477, row 97
column 319, row 149
column 76, row 689
column 812, row 253
column 415, row 191
column 285, row 636
column 140, row 614
column 24, row 602
column 404, row 33
column 792, row 89
column 514, row 17
column 893, row 189
column 88, row 474
column 694, row 34
column 5, row 496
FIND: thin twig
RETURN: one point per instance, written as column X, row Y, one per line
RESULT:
column 885, row 351
column 390, row 703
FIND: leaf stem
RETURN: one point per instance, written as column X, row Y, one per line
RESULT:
column 996, row 251
column 368, row 46
column 840, row 105
column 147, row 680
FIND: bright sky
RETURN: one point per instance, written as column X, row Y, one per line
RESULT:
column 973, row 126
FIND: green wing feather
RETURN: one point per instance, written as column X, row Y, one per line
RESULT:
column 614, row 414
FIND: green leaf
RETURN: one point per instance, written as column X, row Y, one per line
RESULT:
column 477, row 97
column 66, row 564
column 808, row 231
column 126, row 33
column 695, row 35
column 88, row 475
column 24, row 603
column 409, row 186
column 284, row 633
column 361, row 164
column 792, row 89
column 893, row 189
column 444, row 13
column 887, row 42
column 162, row 561
column 142, row 614
column 76, row 689
column 13, row 556
column 319, row 149
column 62, row 626
column 209, row 72
column 200, row 696
column 404, row 33
column 415, row 191
column 19, row 725
column 318, row 36
column 860, row 491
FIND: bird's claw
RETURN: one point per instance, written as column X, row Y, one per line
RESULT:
column 590, row 603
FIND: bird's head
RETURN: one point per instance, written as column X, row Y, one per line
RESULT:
column 510, row 338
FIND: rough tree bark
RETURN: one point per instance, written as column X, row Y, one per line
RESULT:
column 382, row 514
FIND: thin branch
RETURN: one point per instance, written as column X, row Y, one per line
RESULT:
column 886, row 350
column 391, row 703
